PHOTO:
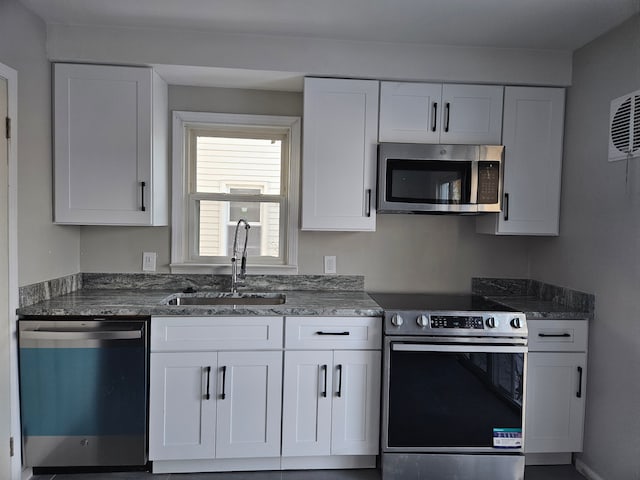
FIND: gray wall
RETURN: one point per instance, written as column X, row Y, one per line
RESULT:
column 598, row 249
column 313, row 56
column 45, row 251
column 407, row 252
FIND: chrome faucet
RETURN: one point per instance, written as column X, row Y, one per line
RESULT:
column 234, row 256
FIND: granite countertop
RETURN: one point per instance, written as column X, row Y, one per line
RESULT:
column 102, row 294
column 105, row 302
column 537, row 300
column 536, row 308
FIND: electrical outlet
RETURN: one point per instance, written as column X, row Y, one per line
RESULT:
column 149, row 261
column 329, row 264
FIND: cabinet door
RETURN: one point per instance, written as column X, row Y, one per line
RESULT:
column 532, row 137
column 181, row 416
column 410, row 112
column 339, row 154
column 249, row 404
column 306, row 403
column 471, row 114
column 356, row 403
column 103, row 147
column 556, row 385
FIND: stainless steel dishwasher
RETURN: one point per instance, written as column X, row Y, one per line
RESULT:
column 83, row 391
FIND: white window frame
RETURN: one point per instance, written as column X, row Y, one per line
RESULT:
column 182, row 120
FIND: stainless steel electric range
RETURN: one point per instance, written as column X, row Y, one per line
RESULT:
column 453, row 388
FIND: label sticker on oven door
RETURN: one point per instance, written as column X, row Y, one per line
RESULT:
column 507, row 437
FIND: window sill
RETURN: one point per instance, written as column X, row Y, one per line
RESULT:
column 226, row 269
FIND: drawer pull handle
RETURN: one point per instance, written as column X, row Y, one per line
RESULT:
column 579, row 392
column 339, row 392
column 324, row 370
column 224, row 378
column 554, row 335
column 207, row 396
column 320, row 332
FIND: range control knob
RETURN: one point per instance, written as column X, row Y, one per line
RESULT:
column 396, row 320
column 516, row 323
column 490, row 322
column 422, row 320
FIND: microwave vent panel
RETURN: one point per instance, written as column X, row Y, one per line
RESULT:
column 624, row 131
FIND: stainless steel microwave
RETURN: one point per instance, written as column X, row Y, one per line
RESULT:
column 427, row 178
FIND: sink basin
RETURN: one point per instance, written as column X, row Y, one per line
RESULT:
column 225, row 298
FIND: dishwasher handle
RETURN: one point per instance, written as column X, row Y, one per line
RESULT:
column 53, row 334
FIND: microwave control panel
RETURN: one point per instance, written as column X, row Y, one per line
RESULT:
column 488, row 182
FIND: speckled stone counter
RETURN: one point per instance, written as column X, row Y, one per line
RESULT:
column 536, row 299
column 106, row 295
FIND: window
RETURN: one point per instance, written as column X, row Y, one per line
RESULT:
column 230, row 167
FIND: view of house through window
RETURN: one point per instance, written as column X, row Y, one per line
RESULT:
column 236, row 175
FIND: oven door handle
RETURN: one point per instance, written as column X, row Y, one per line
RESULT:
column 468, row 348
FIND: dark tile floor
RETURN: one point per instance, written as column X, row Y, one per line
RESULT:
column 556, row 472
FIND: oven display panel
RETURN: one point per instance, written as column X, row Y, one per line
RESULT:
column 448, row 321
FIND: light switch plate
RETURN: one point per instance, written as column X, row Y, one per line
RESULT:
column 329, row 264
column 149, row 261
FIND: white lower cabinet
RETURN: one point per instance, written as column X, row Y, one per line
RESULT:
column 218, row 401
column 556, row 389
column 215, row 405
column 249, row 404
column 182, row 418
column 555, row 407
column 331, row 403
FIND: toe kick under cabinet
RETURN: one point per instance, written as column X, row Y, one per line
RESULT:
column 220, row 399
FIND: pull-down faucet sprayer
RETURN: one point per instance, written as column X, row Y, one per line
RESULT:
column 234, row 256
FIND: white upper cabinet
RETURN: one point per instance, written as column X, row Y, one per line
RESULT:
column 436, row 113
column 533, row 142
column 339, row 154
column 110, row 145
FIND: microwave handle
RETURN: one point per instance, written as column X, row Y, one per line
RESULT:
column 506, row 207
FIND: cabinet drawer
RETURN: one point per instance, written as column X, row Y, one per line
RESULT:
column 558, row 335
column 215, row 333
column 332, row 333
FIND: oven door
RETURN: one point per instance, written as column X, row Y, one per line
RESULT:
column 453, row 397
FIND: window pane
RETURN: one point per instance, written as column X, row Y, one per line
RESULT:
column 217, row 226
column 223, row 164
column 250, row 211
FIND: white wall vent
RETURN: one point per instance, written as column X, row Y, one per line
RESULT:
column 624, row 131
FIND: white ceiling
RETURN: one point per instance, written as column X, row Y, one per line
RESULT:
column 530, row 24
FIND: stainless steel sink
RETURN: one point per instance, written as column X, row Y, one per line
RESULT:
column 225, row 298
